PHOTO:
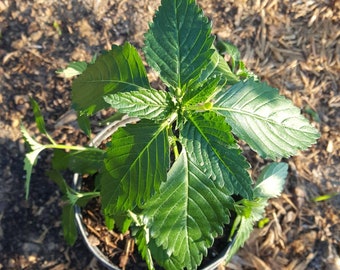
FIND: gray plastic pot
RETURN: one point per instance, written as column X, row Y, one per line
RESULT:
column 104, row 134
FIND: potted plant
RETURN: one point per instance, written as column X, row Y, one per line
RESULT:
column 175, row 178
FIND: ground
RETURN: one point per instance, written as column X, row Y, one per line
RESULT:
column 293, row 45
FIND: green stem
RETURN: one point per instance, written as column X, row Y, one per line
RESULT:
column 70, row 147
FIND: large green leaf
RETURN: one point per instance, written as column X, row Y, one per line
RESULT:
column 210, row 143
column 137, row 162
column 267, row 121
column 147, row 104
column 178, row 43
column 118, row 70
column 186, row 215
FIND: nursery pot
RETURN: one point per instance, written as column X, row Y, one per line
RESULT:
column 77, row 182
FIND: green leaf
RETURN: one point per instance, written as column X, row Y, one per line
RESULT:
column 147, row 104
column 84, row 123
column 210, row 143
column 73, row 69
column 225, row 47
column 119, row 70
column 267, row 121
column 57, row 178
column 244, row 230
column 68, row 223
column 271, row 180
column 142, row 236
column 85, row 162
column 178, row 43
column 186, row 215
column 30, row 157
column 219, row 67
column 137, row 162
column 202, row 92
column 39, row 120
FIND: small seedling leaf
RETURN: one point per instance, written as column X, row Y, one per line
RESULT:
column 73, row 69
column 271, row 180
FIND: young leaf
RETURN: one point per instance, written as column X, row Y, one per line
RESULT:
column 219, row 67
column 137, row 162
column 39, row 120
column 210, row 143
column 30, row 157
column 142, row 237
column 73, row 69
column 147, row 104
column 271, row 180
column 244, row 230
column 203, row 92
column 119, row 70
column 186, row 214
column 267, row 121
column 178, row 43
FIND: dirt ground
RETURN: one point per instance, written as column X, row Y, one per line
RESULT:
column 294, row 45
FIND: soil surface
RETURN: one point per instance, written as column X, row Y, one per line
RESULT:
column 293, row 45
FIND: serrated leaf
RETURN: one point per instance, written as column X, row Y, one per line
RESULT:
column 68, row 224
column 271, row 180
column 137, row 162
column 244, row 222
column 219, row 67
column 178, row 43
column 210, row 143
column 267, row 121
column 73, row 69
column 30, row 157
column 119, row 70
column 147, row 104
column 142, row 236
column 244, row 230
column 186, row 215
column 203, row 91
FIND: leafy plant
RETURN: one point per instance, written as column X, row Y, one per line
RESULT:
column 175, row 177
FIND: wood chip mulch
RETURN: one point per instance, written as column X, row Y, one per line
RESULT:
column 293, row 45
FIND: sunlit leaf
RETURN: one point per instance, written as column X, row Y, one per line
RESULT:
column 178, row 42
column 118, row 70
column 267, row 121
column 185, row 216
column 137, row 162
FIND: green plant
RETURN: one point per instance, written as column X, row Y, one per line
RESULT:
column 174, row 177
